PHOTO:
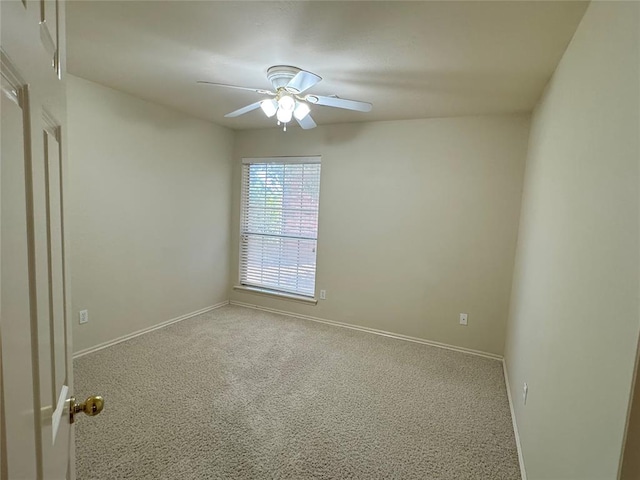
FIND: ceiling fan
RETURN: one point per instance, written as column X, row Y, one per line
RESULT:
column 288, row 100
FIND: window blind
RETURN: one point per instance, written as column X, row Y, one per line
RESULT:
column 279, row 223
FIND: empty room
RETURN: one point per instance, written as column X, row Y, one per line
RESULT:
column 320, row 240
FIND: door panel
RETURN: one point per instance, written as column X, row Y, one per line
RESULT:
column 57, row 273
column 54, row 243
column 57, row 373
column 15, row 298
column 49, row 30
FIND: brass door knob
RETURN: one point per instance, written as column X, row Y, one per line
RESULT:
column 91, row 406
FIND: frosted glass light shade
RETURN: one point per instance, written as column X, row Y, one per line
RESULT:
column 284, row 116
column 269, row 107
column 301, row 111
column 286, row 103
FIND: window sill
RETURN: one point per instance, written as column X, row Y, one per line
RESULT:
column 272, row 293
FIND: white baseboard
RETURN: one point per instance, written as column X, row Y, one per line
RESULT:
column 523, row 472
column 137, row 333
column 398, row 336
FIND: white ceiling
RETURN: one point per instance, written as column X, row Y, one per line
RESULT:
column 410, row 59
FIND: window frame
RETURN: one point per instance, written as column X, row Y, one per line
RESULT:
column 313, row 159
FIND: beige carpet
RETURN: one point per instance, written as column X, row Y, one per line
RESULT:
column 243, row 394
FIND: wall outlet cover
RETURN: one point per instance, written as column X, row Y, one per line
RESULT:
column 84, row 316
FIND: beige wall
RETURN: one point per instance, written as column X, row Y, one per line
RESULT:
column 574, row 317
column 149, row 207
column 418, row 223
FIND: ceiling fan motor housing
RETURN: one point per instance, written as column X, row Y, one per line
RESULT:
column 281, row 75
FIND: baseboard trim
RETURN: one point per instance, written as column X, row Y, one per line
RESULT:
column 383, row 333
column 137, row 333
column 523, row 472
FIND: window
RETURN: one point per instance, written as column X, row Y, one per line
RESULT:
column 279, row 224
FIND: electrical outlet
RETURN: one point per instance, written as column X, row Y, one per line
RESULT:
column 84, row 316
column 525, row 391
column 463, row 319
column 323, row 294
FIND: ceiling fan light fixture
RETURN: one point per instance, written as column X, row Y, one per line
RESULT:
column 269, row 107
column 289, row 98
column 286, row 102
column 284, row 116
column 301, row 110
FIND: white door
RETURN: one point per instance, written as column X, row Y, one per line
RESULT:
column 36, row 437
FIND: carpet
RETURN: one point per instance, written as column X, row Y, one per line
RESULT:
column 238, row 393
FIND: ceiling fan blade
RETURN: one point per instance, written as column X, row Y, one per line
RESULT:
column 307, row 122
column 243, row 110
column 237, row 87
column 339, row 103
column 302, row 81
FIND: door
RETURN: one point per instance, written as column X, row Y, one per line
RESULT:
column 36, row 435
column 630, row 462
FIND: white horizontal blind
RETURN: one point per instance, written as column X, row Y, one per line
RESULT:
column 279, row 224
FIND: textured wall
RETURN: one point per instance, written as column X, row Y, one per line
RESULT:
column 149, row 207
column 418, row 222
column 574, row 318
